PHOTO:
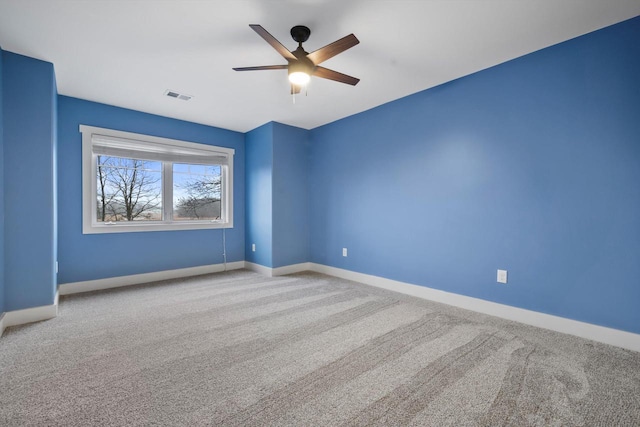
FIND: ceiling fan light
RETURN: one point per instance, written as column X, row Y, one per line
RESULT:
column 299, row 78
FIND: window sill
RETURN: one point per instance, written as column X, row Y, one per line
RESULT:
column 137, row 227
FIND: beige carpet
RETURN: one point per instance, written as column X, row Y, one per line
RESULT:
column 239, row 349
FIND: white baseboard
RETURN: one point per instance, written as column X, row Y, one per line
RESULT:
column 292, row 269
column 1, row 324
column 29, row 315
column 278, row 271
column 265, row 271
column 601, row 334
column 136, row 279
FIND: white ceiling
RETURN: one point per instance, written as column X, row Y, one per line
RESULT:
column 127, row 53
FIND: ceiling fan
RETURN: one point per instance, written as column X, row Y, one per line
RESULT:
column 301, row 64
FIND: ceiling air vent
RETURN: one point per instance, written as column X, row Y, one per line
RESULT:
column 177, row 95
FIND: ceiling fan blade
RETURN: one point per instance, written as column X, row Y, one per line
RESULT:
column 273, row 41
column 326, row 73
column 331, row 50
column 262, row 67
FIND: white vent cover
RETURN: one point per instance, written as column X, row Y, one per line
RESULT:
column 174, row 94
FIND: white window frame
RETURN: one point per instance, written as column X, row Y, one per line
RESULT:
column 90, row 224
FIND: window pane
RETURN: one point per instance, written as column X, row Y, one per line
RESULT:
column 196, row 192
column 197, row 169
column 177, row 167
column 128, row 189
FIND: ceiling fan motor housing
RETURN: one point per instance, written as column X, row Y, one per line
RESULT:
column 302, row 65
column 300, row 33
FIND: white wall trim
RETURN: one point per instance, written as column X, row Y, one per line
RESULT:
column 265, row 271
column 136, row 279
column 291, row 269
column 278, row 271
column 1, row 323
column 601, row 334
column 135, row 142
column 29, row 315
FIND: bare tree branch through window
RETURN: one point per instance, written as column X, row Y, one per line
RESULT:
column 128, row 189
column 197, row 192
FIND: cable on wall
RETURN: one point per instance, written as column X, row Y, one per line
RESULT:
column 224, row 249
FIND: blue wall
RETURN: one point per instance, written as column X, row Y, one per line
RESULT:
column 277, row 195
column 258, row 220
column 531, row 166
column 96, row 256
column 1, row 189
column 291, row 149
column 29, row 200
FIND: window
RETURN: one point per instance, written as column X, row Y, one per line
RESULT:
column 135, row 182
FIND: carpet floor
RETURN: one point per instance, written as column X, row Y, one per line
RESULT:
column 241, row 349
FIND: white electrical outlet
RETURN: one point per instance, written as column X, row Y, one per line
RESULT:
column 253, row 247
column 344, row 251
column 502, row 276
